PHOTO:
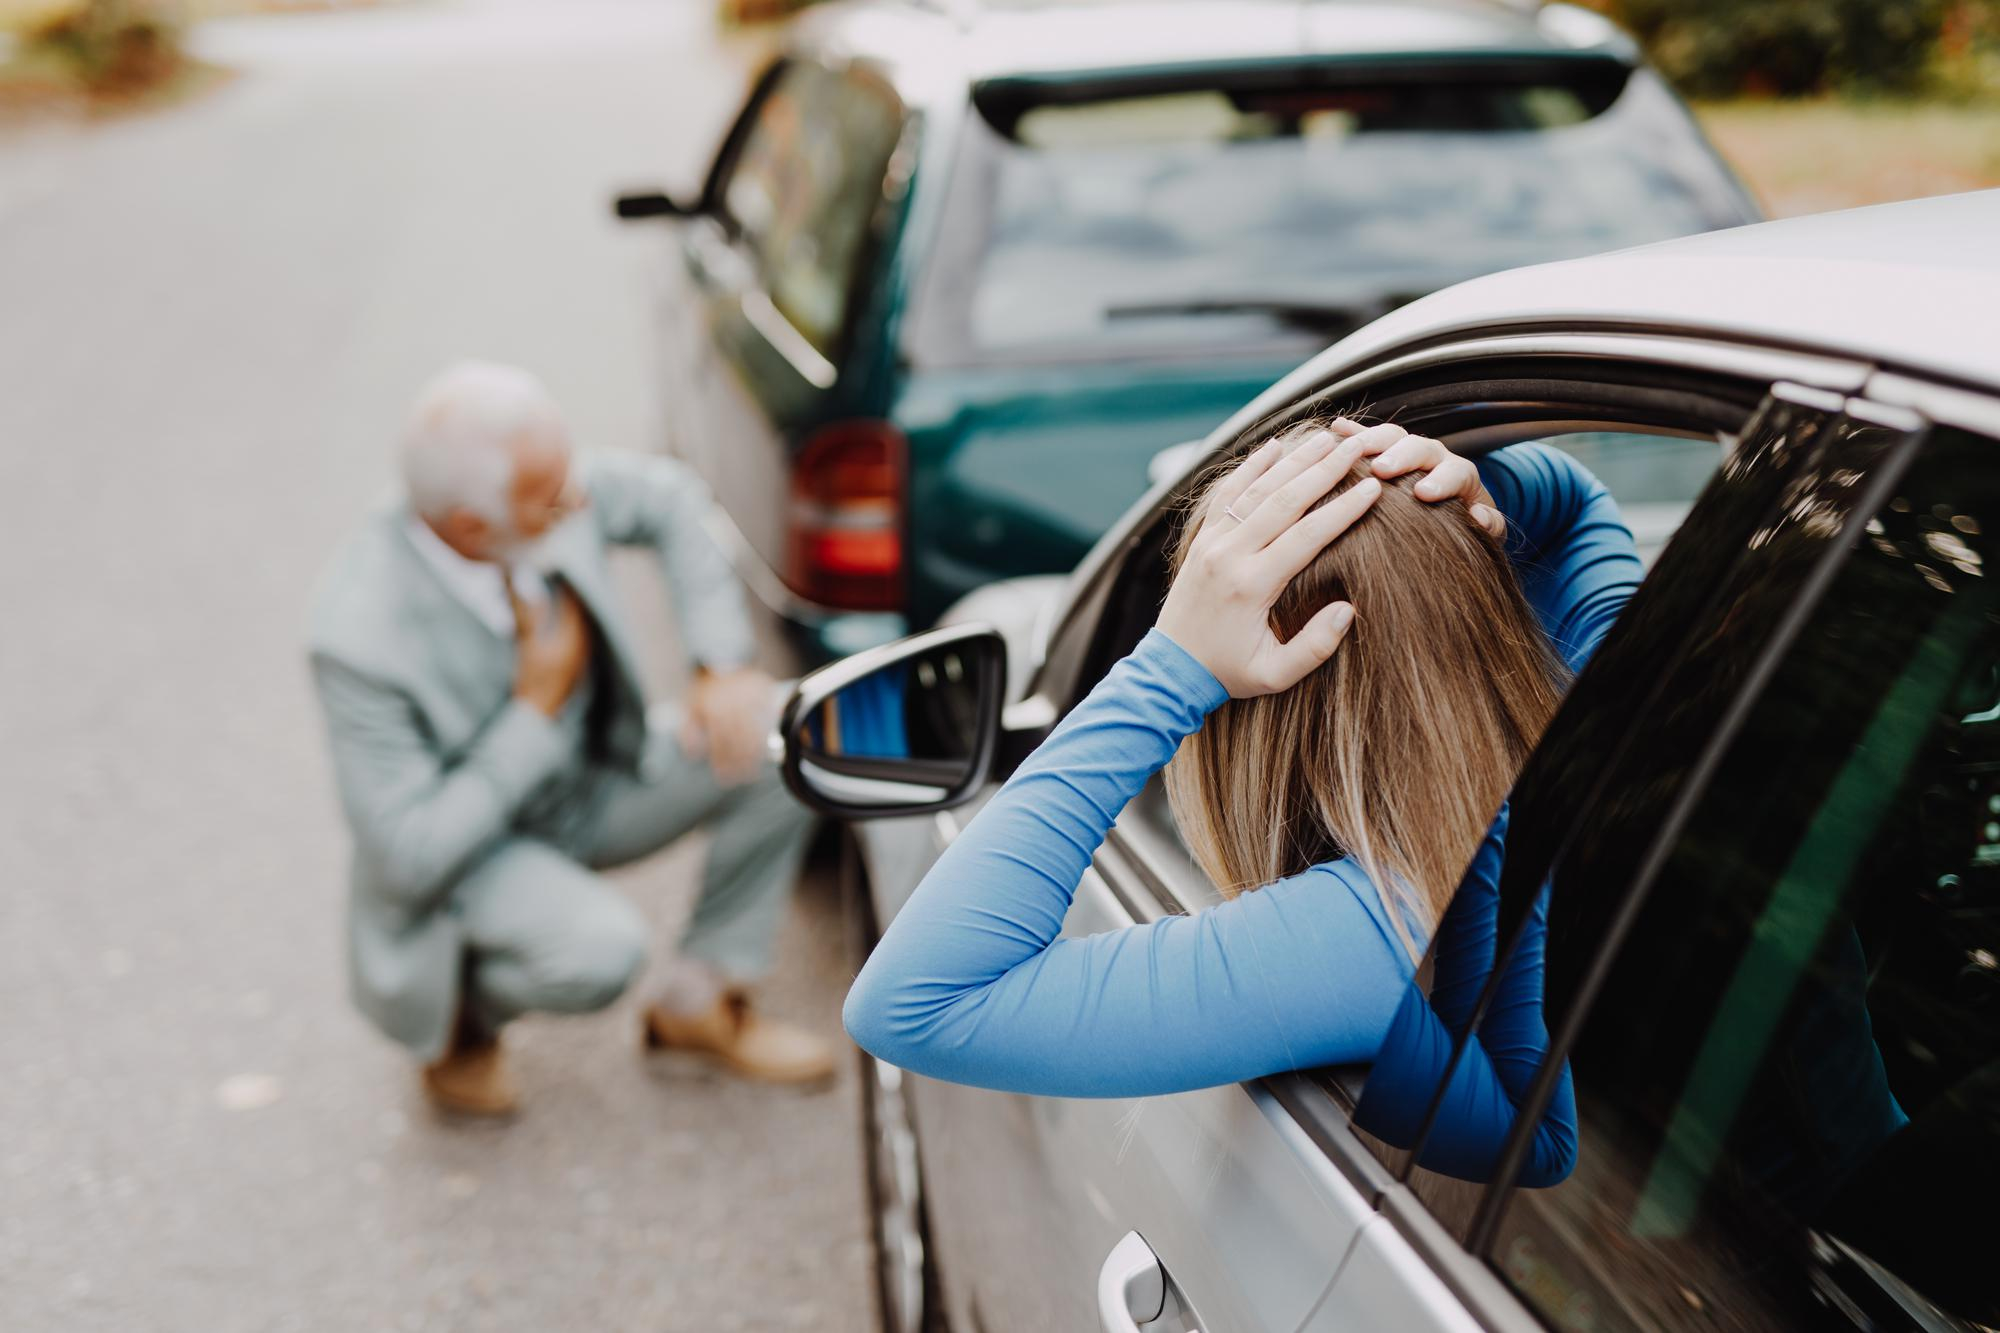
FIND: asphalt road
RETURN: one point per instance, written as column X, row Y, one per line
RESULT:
column 211, row 319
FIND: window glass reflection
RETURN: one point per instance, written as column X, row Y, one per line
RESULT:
column 805, row 188
column 1189, row 215
column 1789, row 1087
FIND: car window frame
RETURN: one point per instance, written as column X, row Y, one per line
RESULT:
column 730, row 150
column 1166, row 875
column 1320, row 1102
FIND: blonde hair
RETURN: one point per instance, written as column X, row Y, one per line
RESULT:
column 1397, row 752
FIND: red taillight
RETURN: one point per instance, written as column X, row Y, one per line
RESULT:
column 846, row 517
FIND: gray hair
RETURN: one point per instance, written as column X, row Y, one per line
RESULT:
column 458, row 448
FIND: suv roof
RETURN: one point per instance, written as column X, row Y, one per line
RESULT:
column 962, row 43
column 1912, row 285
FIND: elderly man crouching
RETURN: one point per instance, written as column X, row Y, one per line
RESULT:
column 493, row 749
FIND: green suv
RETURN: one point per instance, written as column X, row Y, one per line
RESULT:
column 959, row 274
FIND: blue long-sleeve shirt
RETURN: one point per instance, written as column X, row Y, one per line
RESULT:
column 972, row 982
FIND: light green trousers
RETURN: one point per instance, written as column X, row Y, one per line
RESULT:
column 545, row 933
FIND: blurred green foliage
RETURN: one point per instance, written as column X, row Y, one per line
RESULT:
column 1726, row 48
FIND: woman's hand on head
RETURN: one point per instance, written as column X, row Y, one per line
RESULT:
column 1258, row 530
column 1446, row 475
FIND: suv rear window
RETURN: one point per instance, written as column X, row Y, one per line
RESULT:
column 1298, row 204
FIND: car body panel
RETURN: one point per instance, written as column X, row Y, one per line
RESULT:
column 1386, row 1284
column 1017, row 471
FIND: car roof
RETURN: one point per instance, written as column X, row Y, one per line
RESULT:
column 1911, row 285
column 967, row 42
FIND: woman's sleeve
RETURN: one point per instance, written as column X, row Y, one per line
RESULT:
column 1576, row 559
column 1578, row 567
column 971, row 982
column 1486, row 1086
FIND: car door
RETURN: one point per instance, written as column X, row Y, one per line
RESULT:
column 1030, row 1196
column 1010, row 1204
column 760, row 331
column 1246, row 1216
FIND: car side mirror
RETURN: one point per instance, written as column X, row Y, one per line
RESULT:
column 649, row 204
column 903, row 729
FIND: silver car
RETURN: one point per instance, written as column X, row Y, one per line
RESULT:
column 1769, row 811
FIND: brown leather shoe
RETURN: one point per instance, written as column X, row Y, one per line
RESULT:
column 472, row 1079
column 732, row 1035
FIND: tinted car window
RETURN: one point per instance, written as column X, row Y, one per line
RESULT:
column 805, row 187
column 1264, row 209
column 1594, row 794
column 1789, row 1083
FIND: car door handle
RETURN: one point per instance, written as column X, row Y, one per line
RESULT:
column 1131, row 1287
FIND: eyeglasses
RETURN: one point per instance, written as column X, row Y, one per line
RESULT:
column 569, row 500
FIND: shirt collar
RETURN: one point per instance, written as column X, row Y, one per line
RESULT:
column 477, row 584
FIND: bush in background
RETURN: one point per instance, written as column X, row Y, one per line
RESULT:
column 735, row 13
column 108, row 46
column 1726, row 48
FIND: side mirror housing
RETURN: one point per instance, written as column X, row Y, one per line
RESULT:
column 904, row 729
column 649, row 204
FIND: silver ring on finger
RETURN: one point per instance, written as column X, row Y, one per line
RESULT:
column 1230, row 510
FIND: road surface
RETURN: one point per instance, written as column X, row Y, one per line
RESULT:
column 213, row 317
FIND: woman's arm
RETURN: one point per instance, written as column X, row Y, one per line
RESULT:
column 1578, row 567
column 1576, row 559
column 1490, row 1080
column 971, row 983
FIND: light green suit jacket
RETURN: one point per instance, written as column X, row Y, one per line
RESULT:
column 433, row 756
